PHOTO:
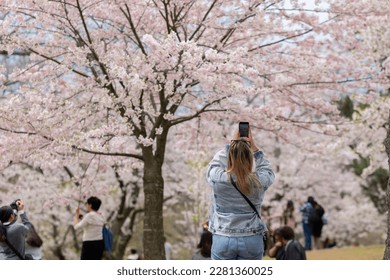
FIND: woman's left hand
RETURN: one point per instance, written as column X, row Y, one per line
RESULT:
column 252, row 141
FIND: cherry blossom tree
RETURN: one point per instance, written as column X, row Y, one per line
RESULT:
column 387, row 144
column 114, row 81
column 371, row 117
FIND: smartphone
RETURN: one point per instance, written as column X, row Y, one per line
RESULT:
column 243, row 128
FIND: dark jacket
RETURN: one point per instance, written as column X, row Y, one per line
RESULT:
column 293, row 250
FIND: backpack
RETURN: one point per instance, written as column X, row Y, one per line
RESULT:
column 108, row 239
column 316, row 215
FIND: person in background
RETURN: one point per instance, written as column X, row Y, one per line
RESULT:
column 204, row 246
column 286, row 247
column 92, row 225
column 134, row 255
column 236, row 228
column 275, row 250
column 289, row 215
column 316, row 223
column 306, row 210
column 15, row 233
column 329, row 243
column 168, row 249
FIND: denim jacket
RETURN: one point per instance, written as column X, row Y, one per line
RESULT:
column 306, row 209
column 230, row 214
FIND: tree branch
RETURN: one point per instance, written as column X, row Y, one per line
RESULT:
column 203, row 20
column 133, row 29
column 57, row 62
column 281, row 40
column 83, row 21
column 137, row 156
column 348, row 80
column 203, row 110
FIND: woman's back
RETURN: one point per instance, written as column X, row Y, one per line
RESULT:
column 16, row 236
column 236, row 227
column 232, row 214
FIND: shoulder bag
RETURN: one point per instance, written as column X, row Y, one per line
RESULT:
column 265, row 233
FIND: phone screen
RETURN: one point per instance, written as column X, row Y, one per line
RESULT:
column 243, row 128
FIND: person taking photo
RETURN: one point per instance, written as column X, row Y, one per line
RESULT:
column 92, row 224
column 13, row 235
column 236, row 227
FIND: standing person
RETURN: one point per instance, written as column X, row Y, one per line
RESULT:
column 237, row 230
column 134, row 255
column 92, row 225
column 168, row 249
column 204, row 246
column 289, row 215
column 15, row 233
column 286, row 247
column 316, row 223
column 306, row 209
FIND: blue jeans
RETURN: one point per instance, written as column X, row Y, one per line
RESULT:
column 237, row 248
column 307, row 234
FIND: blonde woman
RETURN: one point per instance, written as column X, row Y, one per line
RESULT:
column 237, row 230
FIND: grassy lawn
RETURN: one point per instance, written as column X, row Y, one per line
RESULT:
column 374, row 252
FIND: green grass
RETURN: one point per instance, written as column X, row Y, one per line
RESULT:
column 373, row 252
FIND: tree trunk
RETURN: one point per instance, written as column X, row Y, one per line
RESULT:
column 121, row 240
column 121, row 244
column 153, row 239
column 386, row 255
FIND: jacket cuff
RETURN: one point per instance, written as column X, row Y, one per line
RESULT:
column 258, row 154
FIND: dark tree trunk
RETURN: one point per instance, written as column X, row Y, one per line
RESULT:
column 123, row 239
column 120, row 246
column 386, row 255
column 153, row 238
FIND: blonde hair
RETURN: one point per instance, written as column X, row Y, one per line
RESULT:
column 240, row 163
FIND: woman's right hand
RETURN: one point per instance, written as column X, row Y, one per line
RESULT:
column 279, row 244
column 76, row 219
column 20, row 205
